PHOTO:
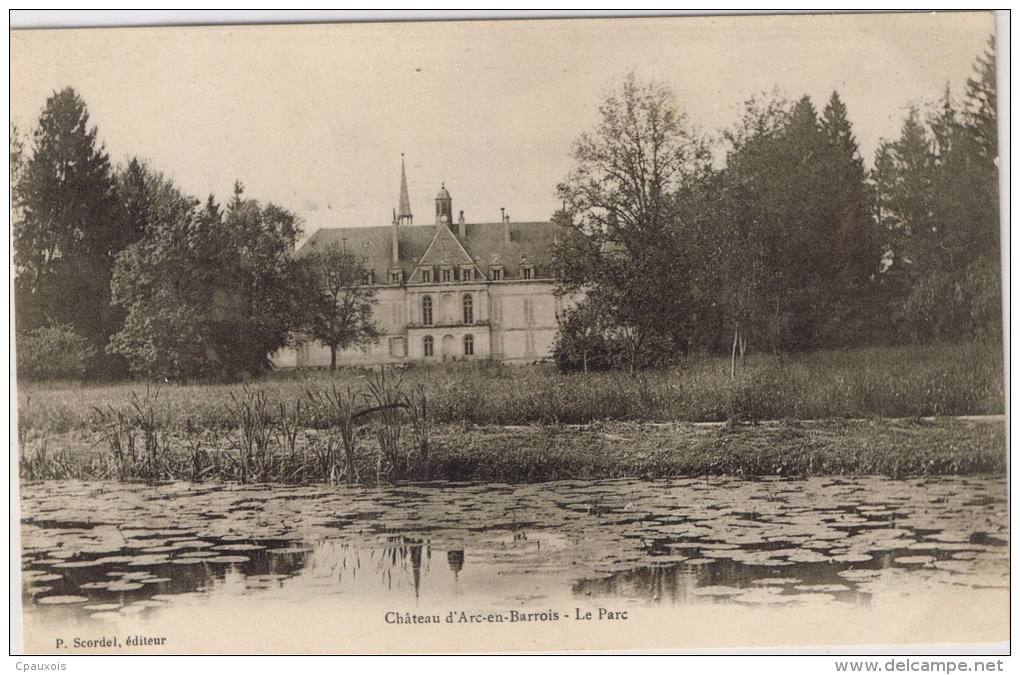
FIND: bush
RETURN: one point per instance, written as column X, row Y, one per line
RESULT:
column 51, row 353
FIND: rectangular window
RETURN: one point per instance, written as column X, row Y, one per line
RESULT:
column 529, row 311
column 526, row 272
column 396, row 318
column 397, row 347
column 396, row 277
column 426, row 276
column 447, row 276
column 369, row 277
column 496, row 273
column 467, row 274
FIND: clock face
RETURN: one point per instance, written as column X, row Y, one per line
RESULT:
column 444, row 217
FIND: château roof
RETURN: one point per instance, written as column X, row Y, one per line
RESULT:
column 531, row 243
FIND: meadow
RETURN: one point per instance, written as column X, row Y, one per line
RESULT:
column 462, row 420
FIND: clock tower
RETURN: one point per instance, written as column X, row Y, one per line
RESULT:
column 444, row 207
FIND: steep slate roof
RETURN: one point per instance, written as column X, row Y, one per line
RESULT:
column 405, row 201
column 484, row 242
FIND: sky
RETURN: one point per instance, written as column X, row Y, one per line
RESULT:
column 315, row 117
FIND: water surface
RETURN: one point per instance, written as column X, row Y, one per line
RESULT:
column 98, row 551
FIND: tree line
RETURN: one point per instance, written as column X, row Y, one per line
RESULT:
column 117, row 271
column 792, row 245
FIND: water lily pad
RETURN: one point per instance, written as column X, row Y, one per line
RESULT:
column 760, row 597
column 238, row 548
column 717, row 591
column 115, row 559
column 124, row 586
column 768, row 562
column 133, row 609
column 228, row 559
column 37, row 590
column 103, row 607
column 853, row 557
column 74, row 564
column 858, row 575
column 911, row 560
column 62, row 599
column 941, row 546
column 807, row 557
column 149, row 560
column 776, row 581
column 823, row 588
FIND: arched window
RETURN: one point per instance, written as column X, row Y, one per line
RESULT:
column 469, row 345
column 469, row 310
column 428, row 345
column 426, row 311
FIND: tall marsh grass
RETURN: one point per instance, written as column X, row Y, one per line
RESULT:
column 347, row 426
column 939, row 380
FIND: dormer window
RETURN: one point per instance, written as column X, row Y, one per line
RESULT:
column 496, row 272
column 447, row 274
column 467, row 274
column 527, row 272
column 426, row 275
column 396, row 277
column 369, row 277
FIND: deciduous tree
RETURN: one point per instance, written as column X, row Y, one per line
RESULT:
column 208, row 293
column 621, row 197
column 339, row 301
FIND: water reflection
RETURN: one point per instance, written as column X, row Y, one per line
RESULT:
column 658, row 542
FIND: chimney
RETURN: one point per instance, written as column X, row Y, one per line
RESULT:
column 461, row 228
column 506, row 225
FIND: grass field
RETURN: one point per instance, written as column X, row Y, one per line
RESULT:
column 297, row 426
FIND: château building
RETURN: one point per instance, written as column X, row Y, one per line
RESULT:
column 449, row 290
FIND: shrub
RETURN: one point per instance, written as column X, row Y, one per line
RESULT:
column 51, row 353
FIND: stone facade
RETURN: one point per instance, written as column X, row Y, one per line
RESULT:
column 450, row 291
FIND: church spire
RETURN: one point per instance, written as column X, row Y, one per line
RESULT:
column 404, row 216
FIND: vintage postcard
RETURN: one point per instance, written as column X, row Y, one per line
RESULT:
column 649, row 333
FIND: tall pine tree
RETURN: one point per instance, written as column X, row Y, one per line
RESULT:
column 938, row 200
column 70, row 228
column 853, row 248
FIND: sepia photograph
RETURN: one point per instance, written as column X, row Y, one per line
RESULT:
column 520, row 334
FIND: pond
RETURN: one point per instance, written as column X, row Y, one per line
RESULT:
column 103, row 557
